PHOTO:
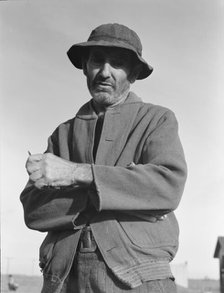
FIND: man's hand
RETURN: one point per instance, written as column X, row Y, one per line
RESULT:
column 50, row 170
column 154, row 219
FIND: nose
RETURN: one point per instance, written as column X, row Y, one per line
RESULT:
column 105, row 70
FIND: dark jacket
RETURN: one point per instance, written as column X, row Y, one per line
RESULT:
column 139, row 172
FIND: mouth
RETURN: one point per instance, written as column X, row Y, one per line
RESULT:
column 103, row 84
column 103, row 87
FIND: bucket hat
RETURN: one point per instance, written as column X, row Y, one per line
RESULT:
column 111, row 35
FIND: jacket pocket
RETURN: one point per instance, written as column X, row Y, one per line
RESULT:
column 46, row 250
column 152, row 235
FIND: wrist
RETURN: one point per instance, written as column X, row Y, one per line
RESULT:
column 82, row 174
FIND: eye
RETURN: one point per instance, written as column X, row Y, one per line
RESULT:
column 96, row 59
column 117, row 62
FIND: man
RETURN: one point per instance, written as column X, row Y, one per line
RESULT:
column 106, row 187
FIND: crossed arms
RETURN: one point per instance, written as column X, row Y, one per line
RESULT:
column 58, row 189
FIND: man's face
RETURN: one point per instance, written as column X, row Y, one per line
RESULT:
column 107, row 71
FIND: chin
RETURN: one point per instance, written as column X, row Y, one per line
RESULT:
column 104, row 99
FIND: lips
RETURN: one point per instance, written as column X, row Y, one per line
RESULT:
column 103, row 84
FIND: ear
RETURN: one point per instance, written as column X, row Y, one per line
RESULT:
column 134, row 73
column 84, row 67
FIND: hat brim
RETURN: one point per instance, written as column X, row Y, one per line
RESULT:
column 77, row 51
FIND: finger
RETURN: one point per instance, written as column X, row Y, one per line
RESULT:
column 40, row 183
column 35, row 157
column 59, row 183
column 161, row 218
column 152, row 219
column 32, row 167
column 55, row 184
column 36, row 175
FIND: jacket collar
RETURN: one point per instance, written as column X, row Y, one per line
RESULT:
column 118, row 123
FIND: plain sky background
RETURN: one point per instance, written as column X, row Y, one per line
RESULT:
column 182, row 39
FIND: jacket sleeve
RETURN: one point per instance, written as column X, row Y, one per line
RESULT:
column 154, row 184
column 52, row 209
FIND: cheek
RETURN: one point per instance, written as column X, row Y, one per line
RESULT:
column 91, row 71
column 122, row 76
column 123, row 82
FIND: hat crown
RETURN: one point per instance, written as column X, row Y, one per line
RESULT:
column 118, row 33
column 112, row 35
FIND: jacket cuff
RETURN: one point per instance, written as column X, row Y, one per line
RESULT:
column 93, row 193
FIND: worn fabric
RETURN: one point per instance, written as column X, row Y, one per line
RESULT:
column 139, row 172
column 89, row 274
column 112, row 35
